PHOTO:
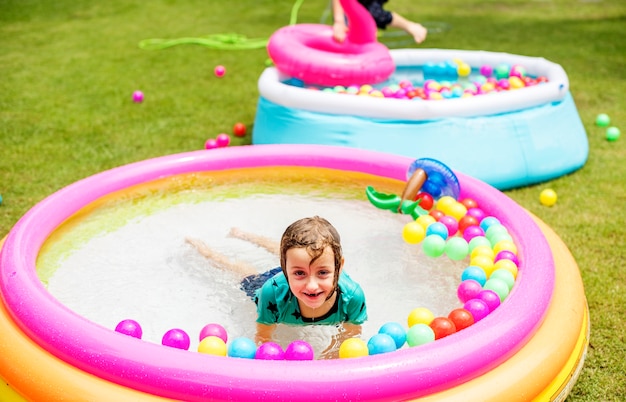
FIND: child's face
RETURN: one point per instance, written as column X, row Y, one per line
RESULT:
column 311, row 283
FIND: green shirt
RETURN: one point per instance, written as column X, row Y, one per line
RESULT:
column 276, row 304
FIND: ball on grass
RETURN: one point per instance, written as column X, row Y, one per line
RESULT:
column 219, row 71
column 603, row 120
column 239, row 129
column 612, row 133
column 548, row 197
column 137, row 96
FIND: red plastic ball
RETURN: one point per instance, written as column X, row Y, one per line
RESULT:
column 427, row 200
column 442, row 327
column 239, row 129
column 467, row 221
column 461, row 318
column 437, row 214
column 469, row 203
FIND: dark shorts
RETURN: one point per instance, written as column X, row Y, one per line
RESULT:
column 381, row 16
column 250, row 284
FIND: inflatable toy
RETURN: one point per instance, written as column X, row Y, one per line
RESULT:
column 507, row 139
column 309, row 52
column 532, row 346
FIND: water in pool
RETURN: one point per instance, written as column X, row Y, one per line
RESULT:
column 127, row 258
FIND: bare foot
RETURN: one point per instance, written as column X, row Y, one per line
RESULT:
column 417, row 31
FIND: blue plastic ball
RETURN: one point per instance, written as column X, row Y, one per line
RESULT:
column 242, row 347
column 381, row 343
column 475, row 273
column 396, row 331
column 437, row 228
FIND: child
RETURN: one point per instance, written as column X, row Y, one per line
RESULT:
column 309, row 287
column 382, row 17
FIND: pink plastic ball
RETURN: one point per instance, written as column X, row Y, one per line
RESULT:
column 477, row 213
column 219, row 71
column 506, row 255
column 211, row 143
column 222, row 140
column 270, row 351
column 130, row 328
column 137, row 96
column 176, row 338
column 213, row 330
column 472, row 231
column 450, row 223
column 468, row 289
column 477, row 308
column 490, row 298
column 486, row 70
column 299, row 350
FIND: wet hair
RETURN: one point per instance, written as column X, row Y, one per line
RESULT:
column 313, row 234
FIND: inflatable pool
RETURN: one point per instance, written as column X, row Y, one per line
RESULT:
column 507, row 139
column 532, row 346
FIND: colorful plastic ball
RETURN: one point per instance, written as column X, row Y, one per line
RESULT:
column 612, row 134
column 129, row 327
column 437, row 214
column 486, row 70
column 413, row 233
column 445, row 202
column 211, row 143
column 499, row 286
column 426, row 200
column 502, row 71
column 472, row 232
column 483, row 261
column 467, row 221
column 603, row 120
column 479, row 241
column 464, row 70
column 176, row 338
column 451, row 224
column 212, row 345
column 419, row 334
column 438, row 229
column 548, row 197
column 420, row 315
column 469, row 203
column 498, row 237
column 395, row 331
column 353, row 347
column 477, row 213
column 491, row 298
column 456, row 248
column 484, row 250
column 433, row 245
column 461, row 318
column 270, row 351
column 488, row 221
column 457, row 210
column 242, row 347
column 506, row 255
column 507, row 265
column 381, row 343
column 426, row 221
column 213, row 330
column 477, row 308
column 495, row 229
column 219, row 71
column 299, row 350
column 137, row 96
column 239, row 129
column 442, row 327
column 475, row 273
column 505, row 245
column 468, row 289
column 222, row 140
column 505, row 275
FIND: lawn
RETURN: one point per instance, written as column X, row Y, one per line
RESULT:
column 68, row 70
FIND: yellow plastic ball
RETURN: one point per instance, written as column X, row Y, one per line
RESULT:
column 353, row 347
column 507, row 265
column 464, row 69
column 420, row 315
column 505, row 245
column 413, row 233
column 426, row 221
column 457, row 211
column 483, row 261
column 212, row 345
column 445, row 203
column 548, row 197
column 483, row 250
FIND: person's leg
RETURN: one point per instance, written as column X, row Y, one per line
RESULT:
column 261, row 241
column 221, row 261
column 417, row 31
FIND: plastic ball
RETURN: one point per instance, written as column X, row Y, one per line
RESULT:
column 505, row 275
column 477, row 213
column 129, row 327
column 497, row 237
column 270, row 351
column 212, row 345
column 483, row 250
column 211, row 143
column 506, row 255
column 502, row 71
column 451, row 224
column 395, row 331
column 506, row 265
column 603, row 120
column 472, row 232
column 420, row 315
column 486, row 70
column 499, row 286
column 219, row 71
column 299, row 350
column 483, row 261
column 137, row 96
column 491, row 298
column 456, row 248
column 505, row 245
column 479, row 241
column 495, row 229
column 419, row 334
column 477, row 308
column 442, row 327
column 213, row 330
column 176, row 338
column 488, row 221
column 433, row 245
column 239, row 129
column 445, row 202
column 457, row 210
column 426, row 200
column 426, row 221
column 469, row 203
column 461, row 318
column 413, row 233
column 438, row 229
column 464, row 70
column 437, row 214
column 467, row 221
column 548, row 197
column 242, row 347
column 612, row 133
column 222, row 140
column 475, row 273
column 468, row 289
column 353, row 347
column 381, row 343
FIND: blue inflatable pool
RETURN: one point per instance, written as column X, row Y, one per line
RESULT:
column 507, row 139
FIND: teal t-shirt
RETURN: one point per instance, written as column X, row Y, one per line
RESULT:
column 276, row 304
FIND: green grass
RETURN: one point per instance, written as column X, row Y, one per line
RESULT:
column 68, row 70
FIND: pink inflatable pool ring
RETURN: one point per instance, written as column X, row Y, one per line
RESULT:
column 309, row 52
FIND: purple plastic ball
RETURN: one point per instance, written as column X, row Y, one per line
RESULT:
column 270, row 351
column 137, row 96
column 222, row 140
column 506, row 255
column 211, row 143
column 477, row 213
column 478, row 308
column 213, row 330
column 486, row 70
column 491, row 298
column 176, row 338
column 468, row 289
column 472, row 231
column 450, row 223
column 299, row 350
column 130, row 328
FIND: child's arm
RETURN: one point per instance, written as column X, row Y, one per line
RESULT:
column 339, row 22
column 220, row 260
column 348, row 331
column 261, row 241
column 264, row 333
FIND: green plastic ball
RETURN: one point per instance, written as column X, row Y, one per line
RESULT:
column 612, row 133
column 603, row 120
